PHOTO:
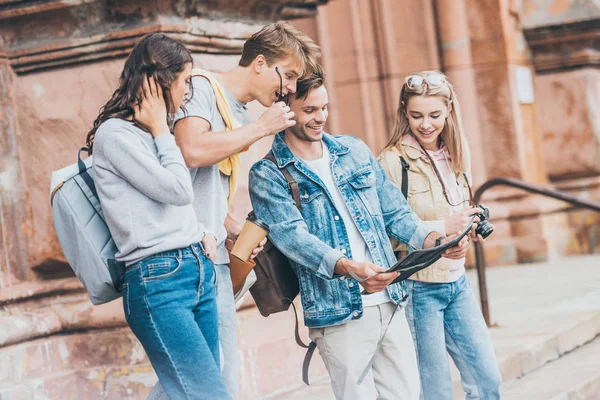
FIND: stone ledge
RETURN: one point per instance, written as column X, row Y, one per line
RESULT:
column 92, row 31
column 31, row 290
column 114, row 45
column 283, row 9
column 22, row 326
column 564, row 47
column 19, row 8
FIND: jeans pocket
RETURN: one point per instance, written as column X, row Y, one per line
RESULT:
column 216, row 278
column 159, row 268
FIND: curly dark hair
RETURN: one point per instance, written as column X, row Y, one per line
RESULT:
column 155, row 55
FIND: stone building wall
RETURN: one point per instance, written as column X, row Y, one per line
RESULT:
column 526, row 72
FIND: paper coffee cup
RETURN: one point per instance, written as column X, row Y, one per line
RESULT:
column 239, row 270
column 253, row 232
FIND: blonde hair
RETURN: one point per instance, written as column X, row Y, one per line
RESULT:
column 278, row 41
column 453, row 131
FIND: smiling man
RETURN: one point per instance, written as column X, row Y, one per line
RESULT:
column 338, row 244
column 272, row 61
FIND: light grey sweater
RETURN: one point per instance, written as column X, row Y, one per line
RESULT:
column 145, row 190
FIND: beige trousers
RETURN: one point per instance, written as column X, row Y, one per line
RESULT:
column 346, row 350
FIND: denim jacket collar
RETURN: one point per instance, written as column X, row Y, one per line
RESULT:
column 284, row 155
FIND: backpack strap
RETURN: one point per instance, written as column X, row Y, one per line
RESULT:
column 405, row 168
column 83, row 172
column 232, row 165
column 293, row 185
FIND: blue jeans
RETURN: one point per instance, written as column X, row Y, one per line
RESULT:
column 170, row 305
column 445, row 317
column 227, row 336
column 227, row 330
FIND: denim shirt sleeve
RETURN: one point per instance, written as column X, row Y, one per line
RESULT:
column 273, row 204
column 400, row 221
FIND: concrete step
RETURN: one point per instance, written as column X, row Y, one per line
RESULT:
column 542, row 311
column 575, row 375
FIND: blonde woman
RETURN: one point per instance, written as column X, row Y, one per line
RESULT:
column 429, row 144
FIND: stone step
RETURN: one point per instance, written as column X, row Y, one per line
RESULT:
column 527, row 363
column 541, row 312
column 96, row 383
column 65, row 353
column 575, row 375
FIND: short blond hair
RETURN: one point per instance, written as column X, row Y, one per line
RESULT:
column 281, row 40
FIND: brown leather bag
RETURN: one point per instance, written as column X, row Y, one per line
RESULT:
column 276, row 284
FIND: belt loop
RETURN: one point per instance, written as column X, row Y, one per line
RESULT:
column 179, row 254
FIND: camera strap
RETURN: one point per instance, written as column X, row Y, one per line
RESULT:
column 405, row 168
column 439, row 176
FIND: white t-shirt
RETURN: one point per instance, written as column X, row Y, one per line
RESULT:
column 358, row 246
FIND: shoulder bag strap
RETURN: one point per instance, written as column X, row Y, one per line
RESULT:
column 292, row 184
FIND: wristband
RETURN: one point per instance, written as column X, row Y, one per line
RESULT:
column 357, row 278
column 438, row 241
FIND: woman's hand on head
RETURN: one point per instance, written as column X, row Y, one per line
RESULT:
column 459, row 221
column 151, row 112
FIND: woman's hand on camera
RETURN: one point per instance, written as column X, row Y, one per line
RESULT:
column 151, row 112
column 474, row 236
column 459, row 221
column 209, row 241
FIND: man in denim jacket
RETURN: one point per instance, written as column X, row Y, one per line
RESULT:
column 339, row 245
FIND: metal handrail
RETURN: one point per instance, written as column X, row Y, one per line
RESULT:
column 529, row 187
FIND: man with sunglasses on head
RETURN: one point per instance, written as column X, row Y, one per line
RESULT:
column 272, row 61
column 338, row 245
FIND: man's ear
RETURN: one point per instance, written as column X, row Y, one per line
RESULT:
column 259, row 63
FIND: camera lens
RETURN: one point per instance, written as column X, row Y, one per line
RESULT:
column 484, row 229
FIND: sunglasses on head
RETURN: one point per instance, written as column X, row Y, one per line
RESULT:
column 432, row 80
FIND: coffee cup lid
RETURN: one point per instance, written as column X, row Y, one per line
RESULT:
column 252, row 218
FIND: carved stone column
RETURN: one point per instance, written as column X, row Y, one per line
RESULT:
column 15, row 223
column 564, row 37
column 510, row 138
column 368, row 48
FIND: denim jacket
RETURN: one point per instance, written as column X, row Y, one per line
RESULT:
column 315, row 239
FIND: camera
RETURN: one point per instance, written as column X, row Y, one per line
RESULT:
column 484, row 227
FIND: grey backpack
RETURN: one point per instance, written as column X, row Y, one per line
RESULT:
column 82, row 231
